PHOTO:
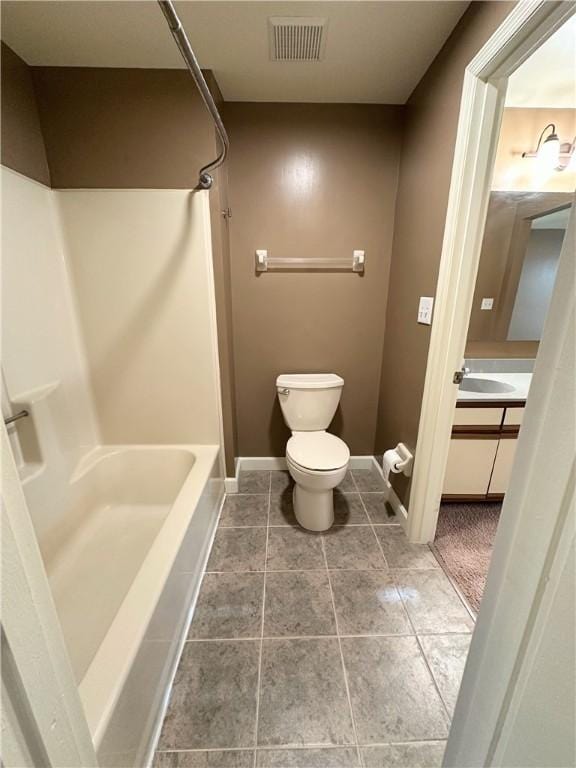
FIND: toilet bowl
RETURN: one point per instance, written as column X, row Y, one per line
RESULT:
column 317, row 460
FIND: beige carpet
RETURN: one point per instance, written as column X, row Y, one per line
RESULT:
column 464, row 542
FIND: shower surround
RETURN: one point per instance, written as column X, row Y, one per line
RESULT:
column 109, row 341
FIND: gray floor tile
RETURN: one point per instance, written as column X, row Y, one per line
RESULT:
column 348, row 509
column 213, row 701
column 424, row 754
column 446, row 656
column 282, row 508
column 432, row 603
column 229, row 605
column 280, row 481
column 348, row 485
column 368, row 603
column 294, row 549
column 303, row 694
column 234, row 758
column 393, row 695
column 353, row 547
column 400, row 553
column 298, row 604
column 335, row 757
column 238, row 549
column 368, row 480
column 254, row 481
column 242, row 509
column 379, row 511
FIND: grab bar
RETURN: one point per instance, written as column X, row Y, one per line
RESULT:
column 205, row 179
column 20, row 415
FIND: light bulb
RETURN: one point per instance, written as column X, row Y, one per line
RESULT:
column 549, row 153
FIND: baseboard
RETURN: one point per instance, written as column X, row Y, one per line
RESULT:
column 393, row 498
column 244, row 463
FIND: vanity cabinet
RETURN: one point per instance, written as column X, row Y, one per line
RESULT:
column 482, row 448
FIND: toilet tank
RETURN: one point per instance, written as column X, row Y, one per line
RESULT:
column 309, row 400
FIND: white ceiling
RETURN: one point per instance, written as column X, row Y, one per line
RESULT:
column 548, row 78
column 376, row 52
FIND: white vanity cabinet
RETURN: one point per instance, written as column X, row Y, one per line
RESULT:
column 482, row 449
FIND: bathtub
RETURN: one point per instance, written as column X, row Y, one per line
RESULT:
column 124, row 566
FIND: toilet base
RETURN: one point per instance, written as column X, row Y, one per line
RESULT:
column 314, row 509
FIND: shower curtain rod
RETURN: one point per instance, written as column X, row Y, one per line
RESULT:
column 204, row 179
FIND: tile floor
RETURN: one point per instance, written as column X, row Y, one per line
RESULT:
column 306, row 650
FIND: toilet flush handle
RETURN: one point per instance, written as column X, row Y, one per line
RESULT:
column 285, row 391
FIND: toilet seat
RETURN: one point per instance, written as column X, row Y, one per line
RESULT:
column 317, row 451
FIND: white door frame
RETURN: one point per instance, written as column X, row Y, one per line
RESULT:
column 521, row 33
column 43, row 721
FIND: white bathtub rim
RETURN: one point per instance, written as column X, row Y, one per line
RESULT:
column 149, row 759
column 102, row 684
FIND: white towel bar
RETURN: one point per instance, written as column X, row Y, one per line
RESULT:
column 265, row 262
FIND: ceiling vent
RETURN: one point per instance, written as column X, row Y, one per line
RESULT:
column 297, row 38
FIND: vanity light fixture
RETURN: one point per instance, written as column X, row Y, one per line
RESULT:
column 551, row 153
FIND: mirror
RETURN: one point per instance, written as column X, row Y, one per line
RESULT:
column 522, row 241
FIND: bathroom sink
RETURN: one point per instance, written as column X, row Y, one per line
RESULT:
column 490, row 386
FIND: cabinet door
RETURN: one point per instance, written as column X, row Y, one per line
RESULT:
column 478, row 416
column 513, row 416
column 470, row 463
column 503, row 466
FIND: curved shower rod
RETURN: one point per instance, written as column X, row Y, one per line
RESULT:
column 179, row 35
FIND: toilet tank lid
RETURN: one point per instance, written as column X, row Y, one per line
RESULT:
column 309, row 381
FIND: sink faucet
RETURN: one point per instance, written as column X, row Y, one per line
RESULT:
column 458, row 377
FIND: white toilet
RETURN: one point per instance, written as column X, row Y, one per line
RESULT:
column 317, row 460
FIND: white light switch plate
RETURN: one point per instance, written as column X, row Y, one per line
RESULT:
column 487, row 304
column 425, row 310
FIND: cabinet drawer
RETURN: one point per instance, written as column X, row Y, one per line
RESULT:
column 513, row 416
column 503, row 466
column 470, row 463
column 490, row 417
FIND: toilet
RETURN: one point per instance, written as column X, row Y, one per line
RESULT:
column 317, row 460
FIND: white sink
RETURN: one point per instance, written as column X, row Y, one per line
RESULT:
column 489, row 386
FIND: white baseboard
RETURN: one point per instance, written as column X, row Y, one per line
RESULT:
column 393, row 499
column 244, row 463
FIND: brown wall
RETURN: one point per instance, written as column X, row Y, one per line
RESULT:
column 122, row 128
column 427, row 154
column 310, row 180
column 22, row 142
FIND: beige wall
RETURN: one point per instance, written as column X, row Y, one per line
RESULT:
column 22, row 142
column 427, row 154
column 148, row 341
column 310, row 180
column 42, row 357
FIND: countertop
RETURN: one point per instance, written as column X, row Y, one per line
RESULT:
column 520, row 382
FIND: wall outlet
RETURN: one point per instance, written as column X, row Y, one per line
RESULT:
column 487, row 304
column 425, row 310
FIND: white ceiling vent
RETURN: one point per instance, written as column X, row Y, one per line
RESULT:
column 297, row 38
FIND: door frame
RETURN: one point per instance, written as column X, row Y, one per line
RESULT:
column 527, row 26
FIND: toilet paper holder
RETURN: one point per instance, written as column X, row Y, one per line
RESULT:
column 404, row 461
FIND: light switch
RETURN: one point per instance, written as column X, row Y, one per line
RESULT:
column 425, row 310
column 487, row 304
